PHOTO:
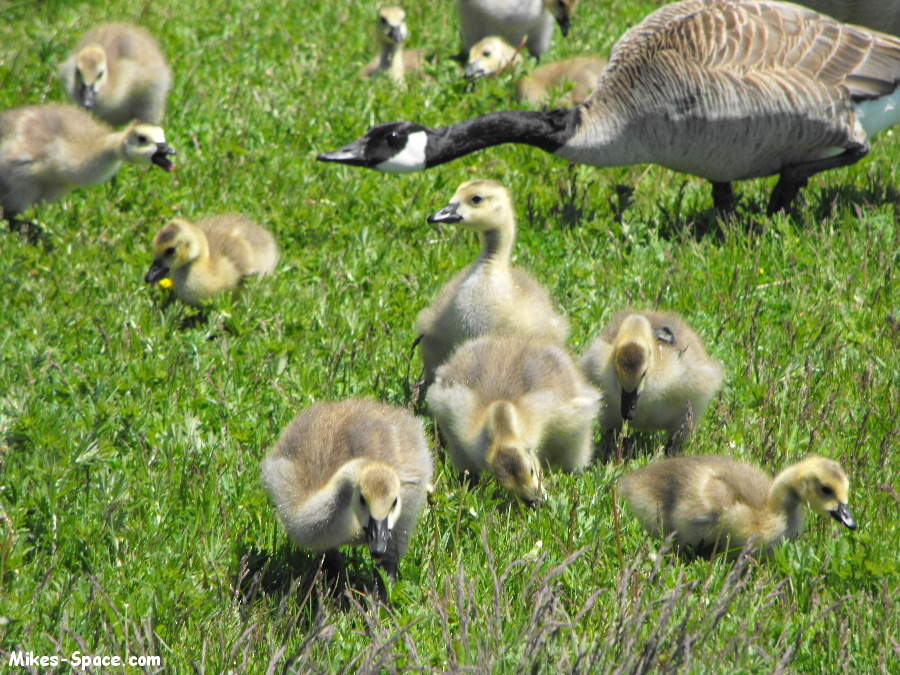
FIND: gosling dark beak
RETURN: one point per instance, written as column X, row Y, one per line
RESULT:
column 629, row 404
column 533, row 502
column 353, row 154
column 158, row 270
column 843, row 514
column 377, row 534
column 474, row 71
column 88, row 96
column 447, row 214
column 161, row 156
column 396, row 35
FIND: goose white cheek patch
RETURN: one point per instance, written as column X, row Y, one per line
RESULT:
column 410, row 158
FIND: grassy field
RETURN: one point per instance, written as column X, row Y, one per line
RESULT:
column 132, row 519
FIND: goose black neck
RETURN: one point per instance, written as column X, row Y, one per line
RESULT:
column 548, row 130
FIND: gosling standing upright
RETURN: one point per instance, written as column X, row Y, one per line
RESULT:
column 489, row 296
column 654, row 372
column 509, row 404
column 48, row 150
column 351, row 473
column 715, row 504
column 213, row 256
column 392, row 32
column 722, row 89
column 119, row 73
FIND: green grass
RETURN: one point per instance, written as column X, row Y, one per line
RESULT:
column 132, row 520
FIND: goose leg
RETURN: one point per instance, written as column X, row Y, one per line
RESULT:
column 794, row 178
column 723, row 198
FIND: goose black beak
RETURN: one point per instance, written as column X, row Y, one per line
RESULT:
column 448, row 214
column 629, row 404
column 353, row 154
column 377, row 534
column 158, row 270
column 843, row 514
column 161, row 156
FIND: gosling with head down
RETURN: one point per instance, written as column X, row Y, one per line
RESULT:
column 510, row 404
column 490, row 296
column 119, row 73
column 211, row 257
column 351, row 473
column 716, row 504
column 655, row 373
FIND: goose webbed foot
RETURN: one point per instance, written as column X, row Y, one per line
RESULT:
column 795, row 178
column 784, row 194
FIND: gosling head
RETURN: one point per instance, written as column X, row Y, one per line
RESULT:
column 478, row 205
column 90, row 74
column 562, row 11
column 823, row 486
column 392, row 28
column 516, row 466
column 377, row 506
column 634, row 358
column 490, row 56
column 394, row 147
column 146, row 144
column 175, row 245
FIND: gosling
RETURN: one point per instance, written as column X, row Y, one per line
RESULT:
column 654, row 372
column 510, row 404
column 392, row 32
column 119, row 73
column 517, row 21
column 714, row 504
column 211, row 257
column 574, row 79
column 48, row 150
column 352, row 472
column 489, row 296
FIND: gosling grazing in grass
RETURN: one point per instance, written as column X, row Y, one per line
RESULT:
column 392, row 32
column 654, row 372
column 214, row 255
column 715, row 504
column 351, row 473
column 722, row 89
column 510, row 404
column 119, row 73
column 48, row 150
column 579, row 75
column 515, row 21
column 489, row 296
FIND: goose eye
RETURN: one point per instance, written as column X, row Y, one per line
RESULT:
column 169, row 251
column 394, row 140
column 827, row 490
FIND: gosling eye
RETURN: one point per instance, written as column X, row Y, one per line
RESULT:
column 169, row 252
column 383, row 21
column 394, row 505
column 477, row 199
column 828, row 491
column 362, row 500
column 142, row 139
column 487, row 52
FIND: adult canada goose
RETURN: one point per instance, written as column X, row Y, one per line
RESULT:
column 489, row 296
column 515, row 21
column 48, row 150
column 723, row 89
column 352, row 472
column 714, row 504
column 509, row 404
column 880, row 15
column 118, row 72
column 493, row 54
column 392, row 32
column 654, row 372
column 214, row 255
